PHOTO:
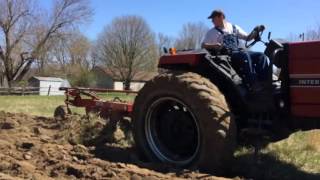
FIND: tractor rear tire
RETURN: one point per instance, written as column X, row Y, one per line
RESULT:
column 182, row 119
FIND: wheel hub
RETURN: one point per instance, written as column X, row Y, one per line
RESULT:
column 172, row 131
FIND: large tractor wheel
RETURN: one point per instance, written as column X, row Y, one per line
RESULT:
column 183, row 119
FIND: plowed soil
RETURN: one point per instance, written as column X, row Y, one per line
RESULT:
column 42, row 148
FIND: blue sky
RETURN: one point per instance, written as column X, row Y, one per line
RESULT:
column 282, row 17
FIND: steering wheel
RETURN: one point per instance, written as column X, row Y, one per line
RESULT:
column 257, row 33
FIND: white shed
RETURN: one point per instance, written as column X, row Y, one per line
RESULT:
column 134, row 85
column 48, row 85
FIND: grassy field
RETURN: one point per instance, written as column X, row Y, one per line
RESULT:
column 297, row 157
column 45, row 105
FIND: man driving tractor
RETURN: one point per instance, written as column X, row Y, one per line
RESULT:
column 252, row 66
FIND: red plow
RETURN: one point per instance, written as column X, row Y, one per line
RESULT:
column 88, row 99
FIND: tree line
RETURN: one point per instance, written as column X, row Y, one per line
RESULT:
column 29, row 33
column 310, row 34
column 50, row 42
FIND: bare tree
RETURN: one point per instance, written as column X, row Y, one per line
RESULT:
column 79, row 50
column 191, row 36
column 309, row 35
column 94, row 55
column 25, row 31
column 292, row 37
column 127, row 46
column 312, row 34
column 59, row 54
column 164, row 41
column 69, row 56
column 2, row 69
column 15, row 20
column 66, row 14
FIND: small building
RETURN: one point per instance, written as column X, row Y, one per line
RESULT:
column 3, row 81
column 48, row 85
column 135, row 85
column 105, row 78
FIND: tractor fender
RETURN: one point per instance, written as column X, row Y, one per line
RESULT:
column 202, row 63
column 190, row 59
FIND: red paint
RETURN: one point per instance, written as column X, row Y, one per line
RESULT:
column 304, row 57
column 97, row 90
column 304, row 62
column 310, row 95
column 306, row 111
column 75, row 97
column 189, row 58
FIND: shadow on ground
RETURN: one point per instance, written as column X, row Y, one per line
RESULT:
column 109, row 147
column 249, row 165
column 258, row 163
column 267, row 166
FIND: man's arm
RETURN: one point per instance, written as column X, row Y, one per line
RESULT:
column 210, row 40
column 254, row 34
column 241, row 33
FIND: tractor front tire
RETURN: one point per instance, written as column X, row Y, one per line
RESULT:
column 182, row 119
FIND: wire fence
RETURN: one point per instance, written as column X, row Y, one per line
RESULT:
column 22, row 91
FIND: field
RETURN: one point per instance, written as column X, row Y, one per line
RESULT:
column 296, row 157
column 45, row 105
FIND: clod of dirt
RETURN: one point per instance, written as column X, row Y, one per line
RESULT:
column 8, row 177
column 5, row 165
column 44, row 138
column 79, row 148
column 27, row 145
column 72, row 171
column 7, row 125
column 37, row 130
column 54, row 173
column 27, row 156
column 111, row 175
column 118, row 135
column 135, row 177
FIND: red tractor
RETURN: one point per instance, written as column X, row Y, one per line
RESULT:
column 191, row 113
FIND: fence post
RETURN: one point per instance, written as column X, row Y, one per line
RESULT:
column 49, row 90
column 23, row 88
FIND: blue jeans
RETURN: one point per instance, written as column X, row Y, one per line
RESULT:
column 251, row 66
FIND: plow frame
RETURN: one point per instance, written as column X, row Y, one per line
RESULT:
column 87, row 98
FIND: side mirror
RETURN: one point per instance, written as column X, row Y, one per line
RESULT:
column 269, row 36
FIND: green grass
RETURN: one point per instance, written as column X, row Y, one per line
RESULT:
column 45, row 105
column 110, row 96
column 297, row 157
